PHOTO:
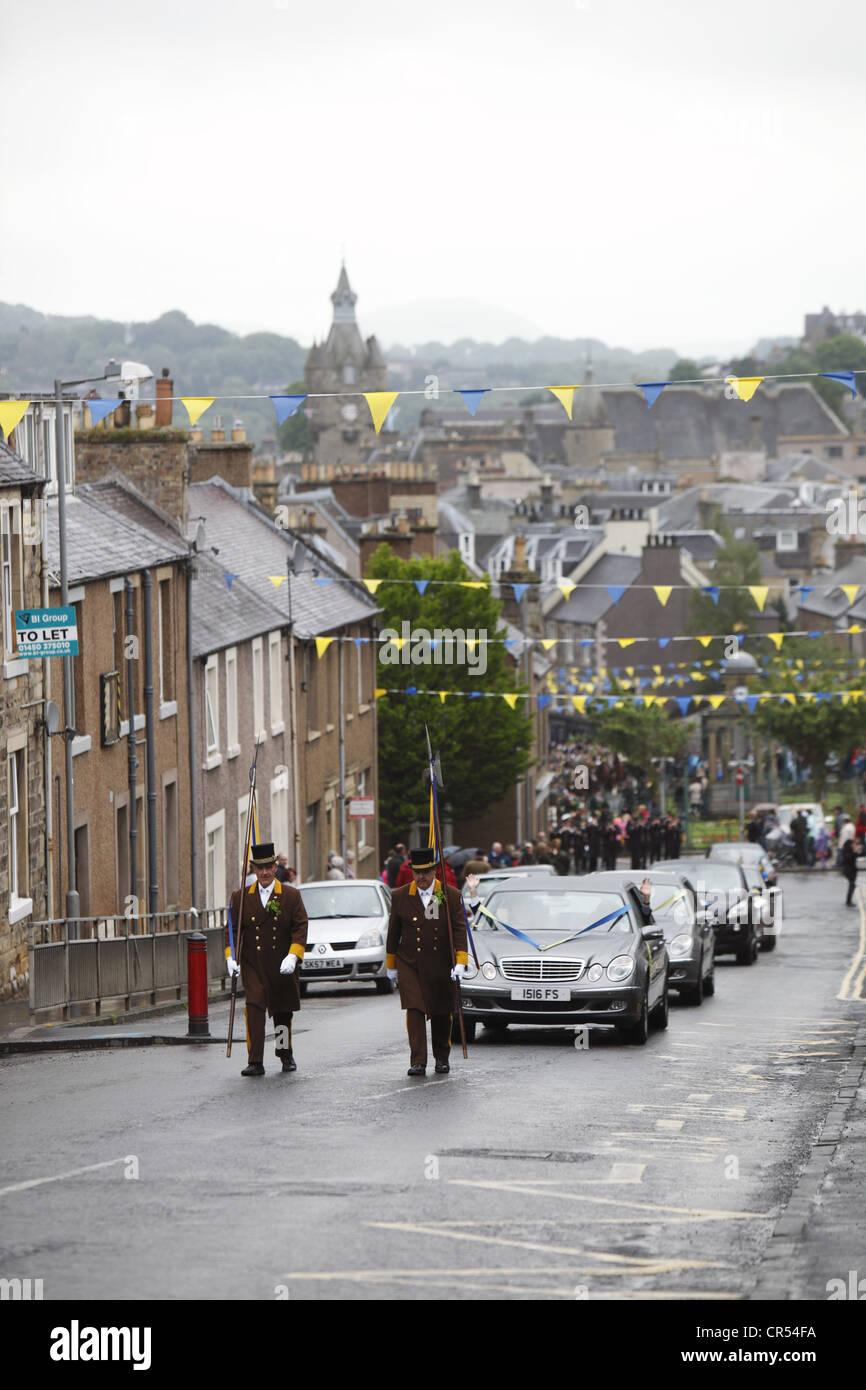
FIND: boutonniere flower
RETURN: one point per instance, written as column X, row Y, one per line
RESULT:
column 273, row 907
column 438, row 893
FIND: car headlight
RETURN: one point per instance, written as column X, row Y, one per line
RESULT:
column 680, row 946
column 470, row 971
column 620, row 968
column 373, row 937
column 595, row 972
column 488, row 970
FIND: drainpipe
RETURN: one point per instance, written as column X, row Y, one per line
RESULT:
column 340, row 645
column 149, row 735
column 131, row 760
column 190, row 701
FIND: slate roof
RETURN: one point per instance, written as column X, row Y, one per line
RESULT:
column 15, row 471
column 223, row 618
column 109, row 532
column 253, row 547
column 831, row 602
column 589, row 605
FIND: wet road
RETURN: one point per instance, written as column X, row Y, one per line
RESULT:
column 533, row 1171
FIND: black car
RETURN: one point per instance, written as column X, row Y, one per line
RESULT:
column 586, row 954
column 733, row 903
column 689, row 937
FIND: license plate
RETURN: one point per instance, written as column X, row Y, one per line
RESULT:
column 547, row 994
column 330, row 964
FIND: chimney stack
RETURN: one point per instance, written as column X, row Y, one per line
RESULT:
column 164, row 393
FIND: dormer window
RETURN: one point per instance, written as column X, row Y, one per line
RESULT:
column 349, row 374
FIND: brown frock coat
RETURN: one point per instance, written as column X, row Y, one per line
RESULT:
column 419, row 950
column 266, row 941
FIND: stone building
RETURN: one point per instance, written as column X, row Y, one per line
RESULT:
column 340, row 425
column 23, row 687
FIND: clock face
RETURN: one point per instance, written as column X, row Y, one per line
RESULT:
column 349, row 413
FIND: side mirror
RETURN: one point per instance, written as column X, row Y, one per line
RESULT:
column 652, row 933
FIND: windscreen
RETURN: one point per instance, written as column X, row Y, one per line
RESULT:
column 536, row 910
column 716, row 877
column 342, row 900
column 670, row 902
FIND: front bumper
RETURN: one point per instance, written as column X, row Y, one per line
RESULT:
column 684, row 972
column 353, row 965
column 588, row 1004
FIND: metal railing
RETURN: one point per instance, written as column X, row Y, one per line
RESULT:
column 118, row 958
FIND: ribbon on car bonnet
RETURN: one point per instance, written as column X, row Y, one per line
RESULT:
column 611, row 917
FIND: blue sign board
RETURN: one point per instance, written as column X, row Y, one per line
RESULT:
column 46, row 632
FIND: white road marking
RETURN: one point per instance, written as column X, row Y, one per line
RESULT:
column 699, row 1095
column 60, row 1177
column 849, row 989
column 669, row 1124
column 700, row 1213
column 419, row 1085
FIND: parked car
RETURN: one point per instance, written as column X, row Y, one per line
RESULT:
column 688, row 934
column 734, row 906
column 487, row 882
column 592, row 958
column 348, row 928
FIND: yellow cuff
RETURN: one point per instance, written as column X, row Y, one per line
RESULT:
column 297, row 951
column 390, row 962
column 462, row 958
column 228, row 953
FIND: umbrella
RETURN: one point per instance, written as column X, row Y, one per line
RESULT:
column 462, row 857
column 448, row 850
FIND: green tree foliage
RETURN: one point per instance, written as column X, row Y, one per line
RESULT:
column 844, row 353
column 294, row 433
column 639, row 734
column 736, row 563
column 484, row 744
column 685, row 370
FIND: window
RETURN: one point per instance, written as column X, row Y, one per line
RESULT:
column 280, row 810
column 170, row 874
column 312, row 827
column 121, row 834
column 275, row 675
column 363, row 783
column 215, row 859
column 11, row 558
column 787, row 540
column 165, row 648
column 359, row 667
column 834, row 451
column 258, row 688
column 82, row 869
column 109, row 703
column 211, row 700
column 233, row 747
column 349, row 374
column 17, row 826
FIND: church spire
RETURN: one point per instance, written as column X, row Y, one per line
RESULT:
column 344, row 299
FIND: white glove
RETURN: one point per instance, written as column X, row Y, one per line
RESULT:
column 458, row 972
column 287, row 966
column 232, row 966
column 392, row 975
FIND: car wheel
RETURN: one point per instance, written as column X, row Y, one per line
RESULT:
column 710, row 982
column 661, row 1012
column 495, row 1025
column 636, row 1033
column 694, row 995
column 384, row 986
column 768, row 943
column 468, row 1028
column 748, row 954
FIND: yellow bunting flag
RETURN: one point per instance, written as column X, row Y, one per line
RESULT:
column 511, row 700
column 566, row 589
column 373, row 584
column 277, row 579
column 626, row 641
column 759, row 594
column 715, row 700
column 663, row 592
column 377, row 693
column 745, row 386
column 11, row 414
column 649, row 701
column 850, row 591
column 855, row 627
column 380, row 403
column 565, row 396
column 471, row 644
column 399, row 643
column 548, row 642
column 443, row 695
column 705, row 641
column 472, row 584
column 579, row 702
column 630, row 670
column 792, row 699
column 196, row 406
column 322, row 645
column 777, row 638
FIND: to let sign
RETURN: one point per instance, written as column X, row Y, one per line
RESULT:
column 46, row 632
column 361, row 808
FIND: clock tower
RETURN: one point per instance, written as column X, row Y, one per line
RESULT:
column 343, row 367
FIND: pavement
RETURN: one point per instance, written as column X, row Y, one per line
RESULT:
column 816, row 1250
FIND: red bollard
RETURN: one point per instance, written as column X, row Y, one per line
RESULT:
column 196, row 966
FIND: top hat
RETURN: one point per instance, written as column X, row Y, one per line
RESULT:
column 423, row 859
column 262, row 855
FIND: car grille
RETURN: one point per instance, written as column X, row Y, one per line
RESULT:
column 537, row 968
column 339, row 946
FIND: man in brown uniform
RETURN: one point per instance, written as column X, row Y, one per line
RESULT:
column 274, row 934
column 418, row 957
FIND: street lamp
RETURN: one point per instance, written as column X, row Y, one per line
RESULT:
column 112, row 370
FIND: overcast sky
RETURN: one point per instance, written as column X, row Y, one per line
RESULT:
column 653, row 174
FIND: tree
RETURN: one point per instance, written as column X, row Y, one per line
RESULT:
column 639, row 734
column 294, row 434
column 484, row 744
column 685, row 370
column 737, row 564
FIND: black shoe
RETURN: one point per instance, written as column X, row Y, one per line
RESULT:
column 417, row 1070
column 289, row 1064
column 442, row 1066
column 254, row 1069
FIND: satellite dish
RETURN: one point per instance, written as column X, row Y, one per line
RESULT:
column 52, row 718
